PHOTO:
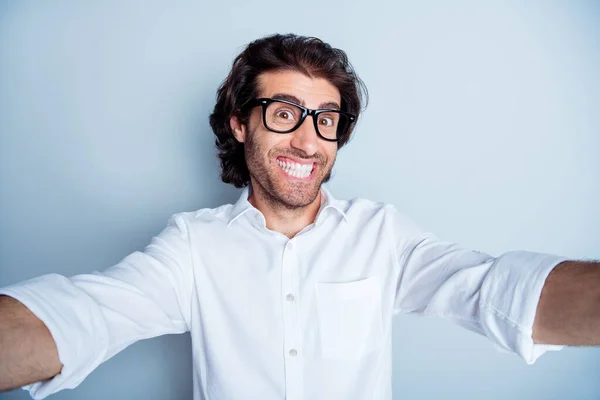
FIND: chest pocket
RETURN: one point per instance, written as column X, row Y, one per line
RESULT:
column 350, row 318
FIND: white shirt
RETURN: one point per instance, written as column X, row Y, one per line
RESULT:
column 273, row 318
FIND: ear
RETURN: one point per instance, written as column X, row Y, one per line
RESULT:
column 239, row 130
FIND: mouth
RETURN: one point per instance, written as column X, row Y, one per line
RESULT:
column 296, row 170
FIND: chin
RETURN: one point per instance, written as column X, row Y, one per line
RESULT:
column 297, row 195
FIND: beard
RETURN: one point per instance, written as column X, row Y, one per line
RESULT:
column 271, row 184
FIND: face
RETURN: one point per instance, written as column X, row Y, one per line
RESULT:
column 288, row 169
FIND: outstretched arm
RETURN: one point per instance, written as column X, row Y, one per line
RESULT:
column 27, row 350
column 64, row 327
column 568, row 312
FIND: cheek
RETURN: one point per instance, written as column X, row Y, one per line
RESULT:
column 330, row 150
column 276, row 143
column 261, row 141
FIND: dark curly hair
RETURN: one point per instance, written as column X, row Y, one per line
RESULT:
column 308, row 55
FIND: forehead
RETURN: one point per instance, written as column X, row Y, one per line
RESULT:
column 310, row 90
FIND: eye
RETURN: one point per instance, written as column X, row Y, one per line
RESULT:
column 326, row 121
column 285, row 114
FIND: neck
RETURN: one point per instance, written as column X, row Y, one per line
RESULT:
column 280, row 217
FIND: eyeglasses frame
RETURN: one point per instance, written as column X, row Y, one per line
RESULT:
column 265, row 101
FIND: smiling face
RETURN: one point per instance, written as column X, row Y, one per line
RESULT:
column 288, row 169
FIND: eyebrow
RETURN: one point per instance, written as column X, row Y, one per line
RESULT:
column 329, row 105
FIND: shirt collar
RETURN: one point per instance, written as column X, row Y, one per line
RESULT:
column 328, row 201
column 242, row 206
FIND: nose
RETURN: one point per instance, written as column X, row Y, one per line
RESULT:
column 305, row 137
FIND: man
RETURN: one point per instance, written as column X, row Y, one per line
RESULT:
column 290, row 292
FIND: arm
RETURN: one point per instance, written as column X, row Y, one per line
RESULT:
column 493, row 296
column 92, row 317
column 27, row 351
column 569, row 309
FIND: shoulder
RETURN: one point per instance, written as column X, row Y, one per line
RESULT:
column 204, row 216
column 366, row 208
column 396, row 222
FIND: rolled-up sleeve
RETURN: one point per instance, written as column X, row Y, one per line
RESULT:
column 92, row 317
column 493, row 296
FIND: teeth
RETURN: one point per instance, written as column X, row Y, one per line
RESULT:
column 295, row 169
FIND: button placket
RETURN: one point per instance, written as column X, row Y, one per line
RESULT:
column 289, row 290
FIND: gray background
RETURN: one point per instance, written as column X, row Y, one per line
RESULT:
column 483, row 126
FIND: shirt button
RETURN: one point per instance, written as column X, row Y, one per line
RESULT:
column 293, row 353
column 289, row 297
column 289, row 245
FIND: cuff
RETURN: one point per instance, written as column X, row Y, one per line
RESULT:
column 75, row 323
column 509, row 298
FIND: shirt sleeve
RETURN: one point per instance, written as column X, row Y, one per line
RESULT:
column 492, row 296
column 94, row 316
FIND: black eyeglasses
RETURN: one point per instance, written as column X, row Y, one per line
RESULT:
column 282, row 116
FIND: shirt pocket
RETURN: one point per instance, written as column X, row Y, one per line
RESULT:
column 350, row 318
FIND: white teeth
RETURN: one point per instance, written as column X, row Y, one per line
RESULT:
column 296, row 169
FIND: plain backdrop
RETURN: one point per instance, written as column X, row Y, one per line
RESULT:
column 483, row 125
